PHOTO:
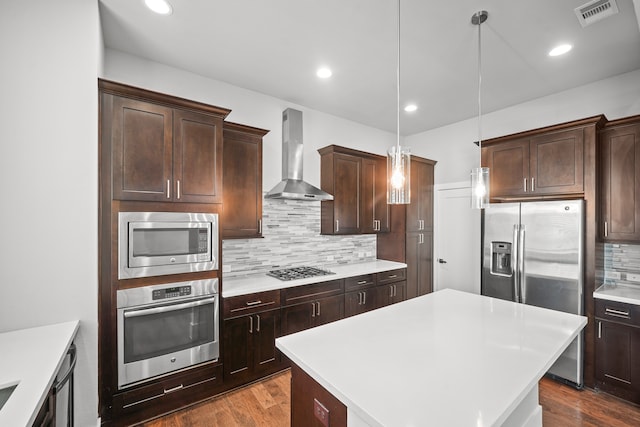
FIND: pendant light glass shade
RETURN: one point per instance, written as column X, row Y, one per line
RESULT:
column 398, row 176
column 480, row 188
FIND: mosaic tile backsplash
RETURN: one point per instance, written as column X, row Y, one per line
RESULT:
column 622, row 263
column 291, row 238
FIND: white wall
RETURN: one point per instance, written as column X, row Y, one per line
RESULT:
column 253, row 109
column 452, row 146
column 49, row 175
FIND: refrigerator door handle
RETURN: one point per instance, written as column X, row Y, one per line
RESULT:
column 514, row 263
column 521, row 272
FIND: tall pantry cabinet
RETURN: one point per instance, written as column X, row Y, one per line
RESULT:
column 410, row 239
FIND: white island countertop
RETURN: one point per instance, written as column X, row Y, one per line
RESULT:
column 31, row 358
column 445, row 359
column 243, row 285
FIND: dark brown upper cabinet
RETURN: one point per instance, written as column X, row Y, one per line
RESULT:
column 164, row 149
column 242, row 181
column 546, row 162
column 357, row 181
column 620, row 180
column 420, row 210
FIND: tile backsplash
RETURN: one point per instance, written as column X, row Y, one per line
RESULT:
column 291, row 237
column 622, row 263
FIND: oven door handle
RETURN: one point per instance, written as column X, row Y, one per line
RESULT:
column 167, row 308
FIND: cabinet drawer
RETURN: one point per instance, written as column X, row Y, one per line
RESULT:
column 171, row 386
column 392, row 276
column 250, row 303
column 300, row 294
column 359, row 282
column 618, row 312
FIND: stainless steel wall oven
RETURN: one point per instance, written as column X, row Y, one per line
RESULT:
column 163, row 328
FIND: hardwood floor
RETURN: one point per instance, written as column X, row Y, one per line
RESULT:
column 266, row 404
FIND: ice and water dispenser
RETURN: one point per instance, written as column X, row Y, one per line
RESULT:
column 501, row 259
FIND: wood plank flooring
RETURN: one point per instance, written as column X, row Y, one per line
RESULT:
column 266, row 404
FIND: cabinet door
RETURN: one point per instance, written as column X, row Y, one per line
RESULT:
column 237, row 344
column 142, row 136
column 614, row 358
column 242, row 181
column 508, row 164
column 374, row 211
column 620, row 183
column 346, row 197
column 557, row 163
column 412, row 242
column 197, row 157
column 329, row 310
column 298, row 317
column 359, row 302
column 266, row 330
column 425, row 264
column 395, row 292
column 414, row 211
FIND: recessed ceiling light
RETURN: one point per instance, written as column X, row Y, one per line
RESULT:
column 560, row 50
column 410, row 108
column 324, row 73
column 161, row 7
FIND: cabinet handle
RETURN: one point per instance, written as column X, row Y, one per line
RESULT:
column 617, row 313
column 617, row 379
column 362, row 282
column 168, row 189
column 606, row 229
column 391, row 291
column 393, row 276
column 252, row 303
column 525, row 185
column 260, row 226
column 599, row 329
column 171, row 390
column 258, row 326
column 360, row 298
column 313, row 309
column 533, row 185
column 318, row 310
column 364, row 298
column 250, row 324
column 337, row 225
column 178, row 192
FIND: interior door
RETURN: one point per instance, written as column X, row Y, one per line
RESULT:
column 457, row 234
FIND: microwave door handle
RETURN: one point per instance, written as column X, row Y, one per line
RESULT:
column 167, row 308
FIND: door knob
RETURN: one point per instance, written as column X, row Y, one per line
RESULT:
column 441, row 261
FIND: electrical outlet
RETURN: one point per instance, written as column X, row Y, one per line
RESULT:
column 633, row 277
column 615, row 275
column 321, row 412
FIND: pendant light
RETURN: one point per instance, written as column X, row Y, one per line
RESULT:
column 479, row 175
column 398, row 158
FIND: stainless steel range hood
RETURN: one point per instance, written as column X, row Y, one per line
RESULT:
column 292, row 186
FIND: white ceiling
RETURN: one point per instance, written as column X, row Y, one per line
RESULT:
column 275, row 46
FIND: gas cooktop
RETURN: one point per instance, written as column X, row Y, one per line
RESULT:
column 298, row 273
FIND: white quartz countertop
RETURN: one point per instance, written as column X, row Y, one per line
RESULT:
column 444, row 359
column 31, row 359
column 261, row 282
column 618, row 292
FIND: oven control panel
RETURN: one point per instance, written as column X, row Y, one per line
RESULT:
column 177, row 291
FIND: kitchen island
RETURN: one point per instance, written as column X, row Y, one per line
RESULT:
column 447, row 358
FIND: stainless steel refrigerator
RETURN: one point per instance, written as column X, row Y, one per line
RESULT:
column 532, row 253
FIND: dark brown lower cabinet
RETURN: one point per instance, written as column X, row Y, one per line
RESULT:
column 298, row 317
column 617, row 366
column 250, row 346
column 391, row 293
column 312, row 405
column 357, row 302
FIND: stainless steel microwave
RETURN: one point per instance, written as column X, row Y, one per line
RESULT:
column 160, row 243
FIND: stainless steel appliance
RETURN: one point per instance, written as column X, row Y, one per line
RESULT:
column 159, row 243
column 298, row 273
column 163, row 328
column 533, row 253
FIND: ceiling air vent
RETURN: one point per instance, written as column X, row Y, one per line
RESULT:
column 595, row 10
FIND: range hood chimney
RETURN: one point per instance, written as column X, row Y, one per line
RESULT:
column 292, row 186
